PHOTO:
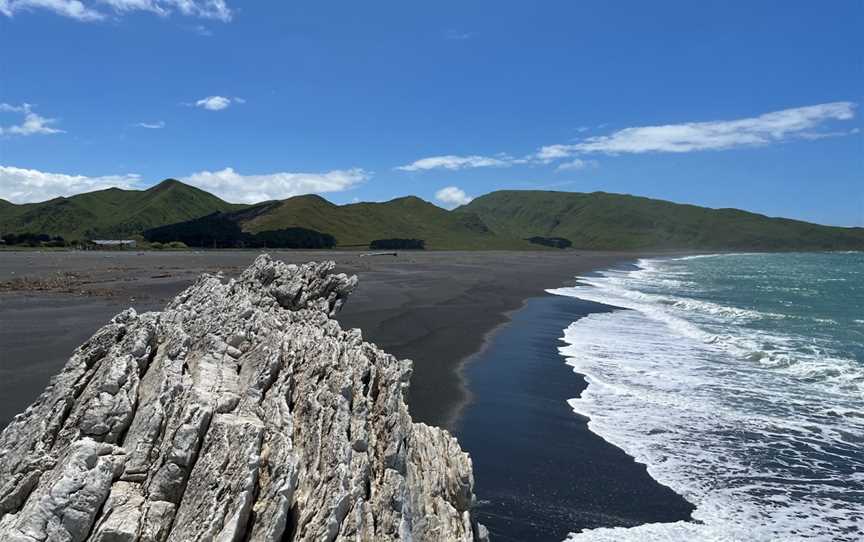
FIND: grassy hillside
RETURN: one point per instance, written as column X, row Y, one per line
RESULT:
column 500, row 220
column 111, row 213
column 359, row 224
column 614, row 221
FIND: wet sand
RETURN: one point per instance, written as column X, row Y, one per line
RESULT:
column 436, row 308
column 540, row 473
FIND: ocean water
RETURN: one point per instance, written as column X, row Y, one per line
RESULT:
column 738, row 379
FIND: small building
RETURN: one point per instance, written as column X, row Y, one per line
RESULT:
column 112, row 243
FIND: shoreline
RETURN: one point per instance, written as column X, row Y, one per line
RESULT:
column 688, row 370
column 456, row 344
column 446, row 312
column 569, row 478
column 437, row 308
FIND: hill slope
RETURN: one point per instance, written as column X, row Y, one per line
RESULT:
column 500, row 220
column 111, row 213
column 358, row 224
column 615, row 221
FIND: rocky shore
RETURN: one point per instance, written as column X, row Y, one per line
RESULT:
column 241, row 412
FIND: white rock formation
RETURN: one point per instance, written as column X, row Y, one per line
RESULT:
column 242, row 412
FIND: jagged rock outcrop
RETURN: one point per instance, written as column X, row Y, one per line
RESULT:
column 242, row 412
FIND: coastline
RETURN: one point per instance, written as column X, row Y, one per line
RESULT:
column 437, row 308
column 569, row 478
column 705, row 364
column 454, row 314
column 445, row 311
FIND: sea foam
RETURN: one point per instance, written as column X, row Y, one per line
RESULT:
column 763, row 431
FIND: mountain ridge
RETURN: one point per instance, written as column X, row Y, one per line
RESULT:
column 603, row 220
column 503, row 219
column 112, row 212
column 353, row 224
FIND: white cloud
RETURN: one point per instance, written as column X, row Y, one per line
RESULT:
column 552, row 152
column 217, row 103
column 452, row 196
column 31, row 124
column 152, row 125
column 810, row 122
column 232, row 186
column 20, row 185
column 813, row 136
column 8, row 108
column 89, row 11
column 73, row 9
column 576, row 164
column 765, row 129
column 452, row 162
column 207, row 9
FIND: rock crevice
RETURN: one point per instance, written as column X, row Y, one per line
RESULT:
column 241, row 412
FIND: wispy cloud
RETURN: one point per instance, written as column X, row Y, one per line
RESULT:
column 202, row 30
column 810, row 123
column 73, row 9
column 774, row 127
column 217, row 103
column 452, row 196
column 152, row 125
column 453, row 162
column 20, row 185
column 92, row 10
column 577, row 164
column 31, row 124
column 236, row 187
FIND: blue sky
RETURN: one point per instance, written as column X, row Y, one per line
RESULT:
column 747, row 104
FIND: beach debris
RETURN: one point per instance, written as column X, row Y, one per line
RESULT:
column 59, row 281
column 368, row 254
column 242, row 411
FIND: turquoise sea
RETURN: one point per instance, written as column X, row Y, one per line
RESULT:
column 738, row 379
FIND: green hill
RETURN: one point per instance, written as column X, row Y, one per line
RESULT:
column 111, row 213
column 358, row 224
column 615, row 221
column 361, row 223
column 500, row 220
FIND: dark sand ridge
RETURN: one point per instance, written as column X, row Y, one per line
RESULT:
column 433, row 307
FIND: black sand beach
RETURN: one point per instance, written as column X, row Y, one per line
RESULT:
column 432, row 307
column 540, row 472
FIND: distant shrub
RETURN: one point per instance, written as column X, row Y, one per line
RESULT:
column 176, row 245
column 156, row 245
column 212, row 231
column 218, row 231
column 554, row 242
column 34, row 240
column 56, row 241
column 293, row 238
column 397, row 244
